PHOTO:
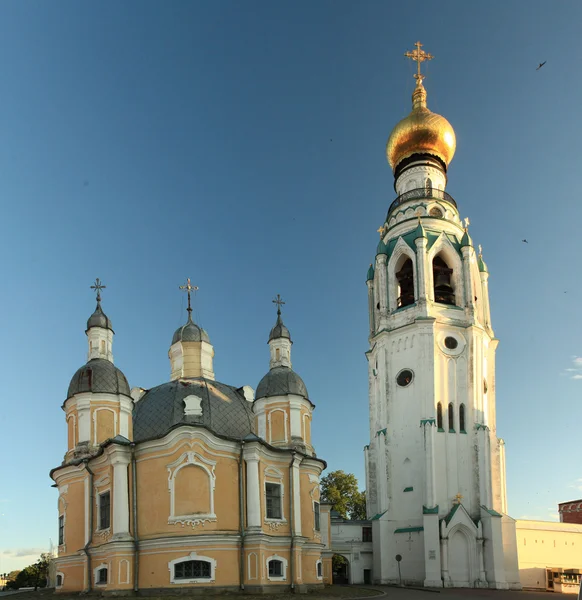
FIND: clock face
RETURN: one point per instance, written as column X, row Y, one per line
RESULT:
column 451, row 343
column 404, row 378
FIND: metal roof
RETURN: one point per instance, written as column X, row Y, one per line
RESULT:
column 99, row 319
column 280, row 381
column 98, row 375
column 225, row 410
column 190, row 333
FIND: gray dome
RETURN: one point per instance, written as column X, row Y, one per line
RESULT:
column 279, row 331
column 98, row 375
column 99, row 319
column 281, row 381
column 190, row 333
column 225, row 411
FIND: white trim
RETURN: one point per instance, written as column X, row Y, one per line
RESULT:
column 318, row 563
column 57, row 586
column 286, row 437
column 72, row 416
column 188, row 459
column 96, row 573
column 192, row 556
column 282, row 497
column 401, row 249
column 283, row 562
column 123, row 560
column 115, row 424
column 257, row 566
column 98, row 495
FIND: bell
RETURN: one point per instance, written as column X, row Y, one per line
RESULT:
column 443, row 281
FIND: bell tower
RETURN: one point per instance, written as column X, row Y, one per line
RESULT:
column 435, row 469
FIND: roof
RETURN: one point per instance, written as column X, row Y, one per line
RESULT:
column 370, row 275
column 280, row 381
column 225, row 410
column 98, row 375
column 99, row 319
column 190, row 332
column 279, row 330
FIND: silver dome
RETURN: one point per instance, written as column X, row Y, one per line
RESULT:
column 190, row 333
column 279, row 330
column 281, row 381
column 99, row 319
column 98, row 375
column 225, row 411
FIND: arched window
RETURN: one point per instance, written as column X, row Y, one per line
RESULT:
column 441, row 274
column 277, row 353
column 451, row 418
column 428, row 187
column 440, row 416
column 405, row 278
column 192, row 569
column 462, row 418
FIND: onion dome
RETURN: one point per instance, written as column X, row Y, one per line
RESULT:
column 370, row 275
column 98, row 376
column 419, row 232
column 382, row 248
column 279, row 330
column 223, row 409
column 190, row 333
column 421, row 132
column 466, row 241
column 99, row 319
column 481, row 264
column 281, row 381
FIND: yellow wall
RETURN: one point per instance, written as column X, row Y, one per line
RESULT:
column 74, row 518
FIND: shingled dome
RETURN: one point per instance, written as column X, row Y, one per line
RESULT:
column 279, row 330
column 190, row 333
column 281, row 381
column 99, row 319
column 98, row 375
column 225, row 410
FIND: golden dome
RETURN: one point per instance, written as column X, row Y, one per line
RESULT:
column 421, row 132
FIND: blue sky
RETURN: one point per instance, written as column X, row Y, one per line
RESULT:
column 242, row 144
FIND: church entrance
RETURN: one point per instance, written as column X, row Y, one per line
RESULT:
column 459, row 560
column 341, row 569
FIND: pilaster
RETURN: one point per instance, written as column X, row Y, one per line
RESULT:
column 251, row 457
column 296, row 496
column 120, row 458
column 421, row 265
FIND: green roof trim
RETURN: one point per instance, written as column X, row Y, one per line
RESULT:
column 409, row 489
column 479, row 426
column 481, row 264
column 427, row 422
column 382, row 248
column 466, row 241
column 409, row 530
column 419, row 232
column 492, row 512
column 380, row 431
column 452, row 513
column 430, row 511
column 370, row 275
column 377, row 516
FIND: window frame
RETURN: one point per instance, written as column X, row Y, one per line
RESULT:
column 207, row 566
column 462, row 418
column 316, row 516
column 100, row 513
column 440, row 416
column 451, row 417
column 268, row 497
column 365, row 535
column 319, row 569
column 62, row 576
column 61, row 530
column 97, row 574
column 194, row 557
column 283, row 561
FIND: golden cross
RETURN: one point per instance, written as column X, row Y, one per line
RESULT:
column 381, row 230
column 467, row 222
column 458, row 498
column 189, row 288
column 480, row 250
column 418, row 56
column 97, row 286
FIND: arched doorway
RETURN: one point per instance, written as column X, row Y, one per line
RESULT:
column 460, row 559
column 341, row 569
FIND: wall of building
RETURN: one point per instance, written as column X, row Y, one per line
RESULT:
column 571, row 512
column 347, row 540
column 545, row 545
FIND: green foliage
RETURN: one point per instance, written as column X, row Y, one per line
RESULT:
column 32, row 576
column 341, row 490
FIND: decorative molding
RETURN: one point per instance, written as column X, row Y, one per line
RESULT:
column 283, row 577
column 126, row 580
column 192, row 405
column 273, row 473
column 57, row 586
column 96, row 573
column 187, row 459
column 285, row 425
column 115, row 421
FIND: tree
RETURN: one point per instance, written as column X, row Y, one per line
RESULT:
column 341, row 490
column 32, row 576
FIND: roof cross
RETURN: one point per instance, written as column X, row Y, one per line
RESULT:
column 97, row 286
column 188, row 287
column 458, row 498
column 418, row 56
column 278, row 301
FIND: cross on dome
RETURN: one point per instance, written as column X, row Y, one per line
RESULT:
column 98, row 286
column 189, row 288
column 418, row 56
column 278, row 301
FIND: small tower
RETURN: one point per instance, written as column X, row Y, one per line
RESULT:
column 282, row 404
column 191, row 353
column 98, row 405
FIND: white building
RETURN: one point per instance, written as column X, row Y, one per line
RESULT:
column 435, row 468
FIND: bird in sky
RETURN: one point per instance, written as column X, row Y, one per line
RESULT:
column 525, row 241
column 541, row 65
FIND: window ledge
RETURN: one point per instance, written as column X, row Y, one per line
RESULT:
column 462, row 431
column 273, row 520
column 192, row 519
column 276, row 578
column 451, row 431
column 441, row 429
column 198, row 580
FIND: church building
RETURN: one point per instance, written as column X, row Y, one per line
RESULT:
column 193, row 483
column 435, row 468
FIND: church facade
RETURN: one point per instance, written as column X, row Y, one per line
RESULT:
column 191, row 484
column 435, row 468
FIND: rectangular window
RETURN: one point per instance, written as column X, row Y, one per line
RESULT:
column 273, row 495
column 102, row 576
column 59, row 580
column 104, row 510
column 61, row 530
column 316, row 515
column 319, row 570
column 275, row 568
column 366, row 534
column 192, row 569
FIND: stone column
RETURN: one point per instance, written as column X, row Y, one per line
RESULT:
column 485, row 298
column 120, row 460
column 445, row 560
column 251, row 456
column 370, row 285
column 421, row 278
column 295, row 410
column 382, row 291
column 468, row 252
column 482, row 576
column 125, row 412
column 430, row 479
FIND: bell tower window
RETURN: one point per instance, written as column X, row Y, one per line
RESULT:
column 405, row 278
column 451, row 418
column 428, row 187
column 440, row 417
column 443, row 290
